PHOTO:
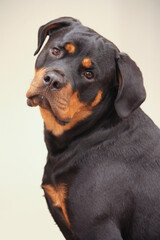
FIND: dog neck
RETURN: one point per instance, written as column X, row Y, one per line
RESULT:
column 64, row 150
column 94, row 123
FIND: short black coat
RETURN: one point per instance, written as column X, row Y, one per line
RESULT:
column 108, row 164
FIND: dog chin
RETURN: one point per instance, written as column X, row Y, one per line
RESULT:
column 42, row 101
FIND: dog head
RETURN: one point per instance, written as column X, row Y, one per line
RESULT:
column 76, row 71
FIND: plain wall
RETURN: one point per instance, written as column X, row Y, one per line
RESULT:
column 134, row 26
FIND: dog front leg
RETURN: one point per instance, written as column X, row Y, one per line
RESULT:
column 108, row 231
column 59, row 219
column 101, row 231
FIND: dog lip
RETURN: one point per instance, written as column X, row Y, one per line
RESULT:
column 37, row 100
column 30, row 102
column 44, row 103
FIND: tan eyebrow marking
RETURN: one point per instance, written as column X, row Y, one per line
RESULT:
column 70, row 47
column 87, row 62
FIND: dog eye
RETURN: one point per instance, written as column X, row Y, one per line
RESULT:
column 56, row 51
column 89, row 75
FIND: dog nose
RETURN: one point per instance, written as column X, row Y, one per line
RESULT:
column 53, row 80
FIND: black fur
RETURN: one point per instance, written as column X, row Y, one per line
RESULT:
column 110, row 162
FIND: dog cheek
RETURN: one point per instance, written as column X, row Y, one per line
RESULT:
column 97, row 99
column 89, row 93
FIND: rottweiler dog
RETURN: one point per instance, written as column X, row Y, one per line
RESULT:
column 102, row 176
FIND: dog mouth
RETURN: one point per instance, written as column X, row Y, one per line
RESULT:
column 43, row 102
column 38, row 100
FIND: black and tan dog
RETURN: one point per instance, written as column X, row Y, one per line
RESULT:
column 102, row 177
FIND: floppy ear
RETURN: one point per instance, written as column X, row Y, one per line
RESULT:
column 48, row 28
column 131, row 92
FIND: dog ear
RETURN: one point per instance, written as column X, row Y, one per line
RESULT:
column 131, row 92
column 48, row 28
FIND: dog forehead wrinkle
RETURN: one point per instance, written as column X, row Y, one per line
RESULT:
column 63, row 36
column 79, row 34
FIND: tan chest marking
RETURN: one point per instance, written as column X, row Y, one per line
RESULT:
column 77, row 111
column 58, row 198
column 120, row 79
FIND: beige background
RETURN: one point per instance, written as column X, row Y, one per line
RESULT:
column 134, row 26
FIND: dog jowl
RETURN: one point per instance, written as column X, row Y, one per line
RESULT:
column 102, row 176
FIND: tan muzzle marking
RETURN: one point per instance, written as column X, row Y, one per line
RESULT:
column 37, row 83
